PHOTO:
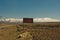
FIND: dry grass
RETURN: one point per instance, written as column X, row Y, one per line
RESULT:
column 36, row 31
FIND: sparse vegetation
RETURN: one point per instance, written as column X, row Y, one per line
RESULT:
column 36, row 31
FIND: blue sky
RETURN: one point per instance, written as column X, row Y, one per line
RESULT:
column 30, row 8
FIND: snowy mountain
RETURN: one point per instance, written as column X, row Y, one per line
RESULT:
column 45, row 20
column 14, row 20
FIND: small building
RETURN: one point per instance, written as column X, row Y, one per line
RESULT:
column 27, row 20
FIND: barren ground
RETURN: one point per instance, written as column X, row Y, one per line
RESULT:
column 37, row 31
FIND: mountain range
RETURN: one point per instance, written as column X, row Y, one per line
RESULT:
column 34, row 20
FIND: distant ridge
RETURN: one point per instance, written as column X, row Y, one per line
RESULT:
column 14, row 20
column 46, row 20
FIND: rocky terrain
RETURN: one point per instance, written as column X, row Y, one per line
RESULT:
column 30, row 31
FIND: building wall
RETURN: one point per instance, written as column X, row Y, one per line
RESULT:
column 27, row 20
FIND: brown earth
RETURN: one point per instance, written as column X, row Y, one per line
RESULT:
column 36, row 31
